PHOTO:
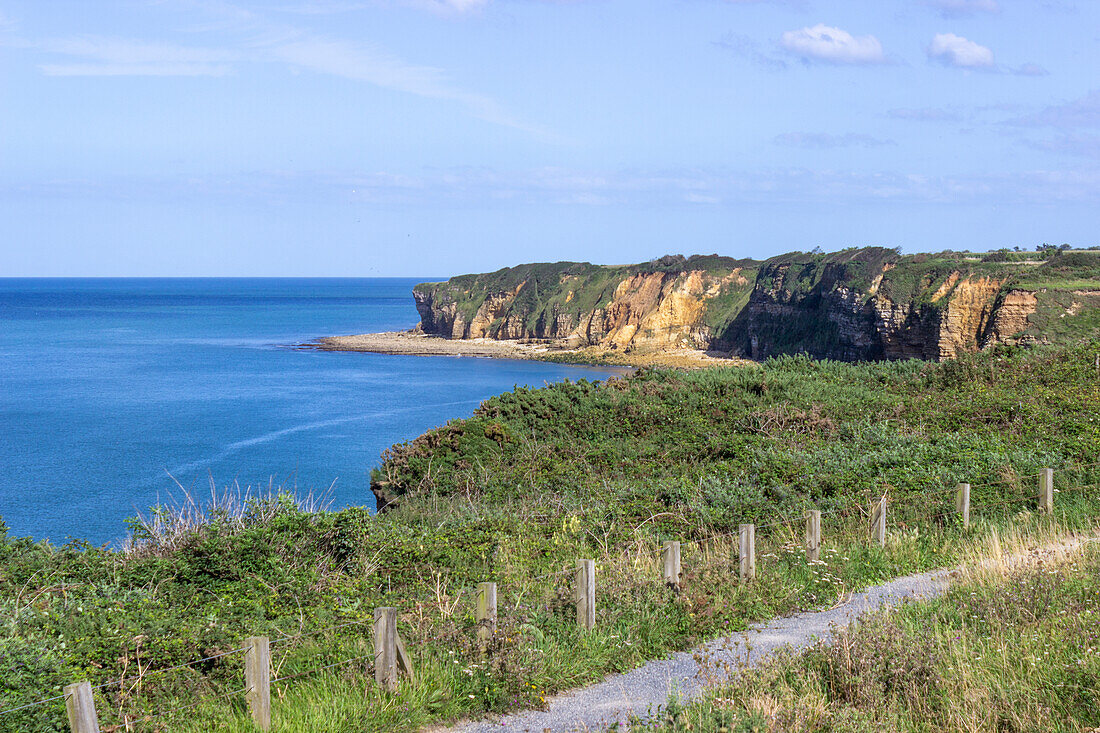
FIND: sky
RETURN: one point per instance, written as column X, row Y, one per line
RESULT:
column 438, row 137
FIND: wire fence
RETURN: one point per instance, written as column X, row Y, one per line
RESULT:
column 615, row 562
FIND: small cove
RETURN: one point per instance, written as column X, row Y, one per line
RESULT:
column 115, row 389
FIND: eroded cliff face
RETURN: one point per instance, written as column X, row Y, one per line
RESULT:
column 865, row 304
column 644, row 311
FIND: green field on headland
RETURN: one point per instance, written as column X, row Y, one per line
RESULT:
column 514, row 494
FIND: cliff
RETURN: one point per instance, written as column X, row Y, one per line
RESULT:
column 858, row 304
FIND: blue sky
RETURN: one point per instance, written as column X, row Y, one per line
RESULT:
column 434, row 137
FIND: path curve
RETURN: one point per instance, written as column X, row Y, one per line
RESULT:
column 645, row 690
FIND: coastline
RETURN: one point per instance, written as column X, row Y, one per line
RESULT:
column 412, row 343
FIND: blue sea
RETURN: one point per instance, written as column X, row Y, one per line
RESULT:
column 115, row 392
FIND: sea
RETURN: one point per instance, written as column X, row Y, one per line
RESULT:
column 117, row 395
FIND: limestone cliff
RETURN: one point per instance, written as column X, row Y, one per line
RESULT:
column 857, row 304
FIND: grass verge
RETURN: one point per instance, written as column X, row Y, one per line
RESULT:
column 1014, row 645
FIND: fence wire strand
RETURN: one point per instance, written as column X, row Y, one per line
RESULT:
column 153, row 716
column 296, row 675
column 33, row 704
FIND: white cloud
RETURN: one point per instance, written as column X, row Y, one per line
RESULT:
column 833, row 45
column 955, row 8
column 952, row 50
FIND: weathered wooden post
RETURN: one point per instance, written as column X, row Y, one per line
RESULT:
column 586, row 594
column 1046, row 490
column 813, row 535
column 385, row 648
column 80, row 707
column 878, row 521
column 670, row 563
column 486, row 614
column 257, row 680
column 962, row 503
column 404, row 661
column 748, row 552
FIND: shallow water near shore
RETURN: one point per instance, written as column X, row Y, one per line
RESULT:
column 111, row 390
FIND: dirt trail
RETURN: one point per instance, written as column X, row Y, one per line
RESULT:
column 644, row 691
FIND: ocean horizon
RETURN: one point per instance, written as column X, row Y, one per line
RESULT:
column 122, row 393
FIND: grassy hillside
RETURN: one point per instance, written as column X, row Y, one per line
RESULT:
column 534, row 480
column 789, row 431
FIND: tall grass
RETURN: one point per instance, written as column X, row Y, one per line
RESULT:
column 1013, row 646
column 166, row 526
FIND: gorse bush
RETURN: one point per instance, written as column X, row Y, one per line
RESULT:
column 816, row 429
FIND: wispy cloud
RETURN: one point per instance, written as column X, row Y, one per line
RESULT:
column 588, row 188
column 450, row 6
column 926, row 114
column 961, row 53
column 100, row 56
column 957, row 8
column 1078, row 113
column 248, row 38
column 1076, row 145
column 825, row 141
column 1029, row 70
column 748, row 48
column 832, row 45
column 791, row 3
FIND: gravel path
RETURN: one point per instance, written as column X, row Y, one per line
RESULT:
column 645, row 690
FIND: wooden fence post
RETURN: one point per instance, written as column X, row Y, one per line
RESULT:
column 1046, row 490
column 81, row 708
column 257, row 680
column 878, row 521
column 670, row 563
column 385, row 648
column 586, row 594
column 486, row 614
column 404, row 661
column 813, row 535
column 748, row 552
column 962, row 503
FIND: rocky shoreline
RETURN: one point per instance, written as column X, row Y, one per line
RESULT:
column 414, row 343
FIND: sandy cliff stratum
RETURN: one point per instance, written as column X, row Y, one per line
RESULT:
column 858, row 304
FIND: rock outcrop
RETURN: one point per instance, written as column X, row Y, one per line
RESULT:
column 859, row 304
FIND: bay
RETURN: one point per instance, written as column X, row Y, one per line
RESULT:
column 114, row 393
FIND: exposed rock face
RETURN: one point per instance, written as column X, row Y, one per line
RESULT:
column 854, row 305
column 641, row 310
column 1010, row 316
